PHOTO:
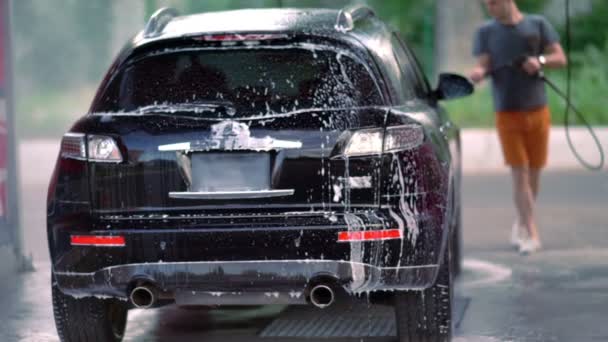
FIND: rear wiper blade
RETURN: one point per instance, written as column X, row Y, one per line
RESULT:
column 191, row 107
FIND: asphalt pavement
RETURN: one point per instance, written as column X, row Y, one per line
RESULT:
column 559, row 294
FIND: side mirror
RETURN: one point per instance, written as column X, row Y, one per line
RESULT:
column 452, row 86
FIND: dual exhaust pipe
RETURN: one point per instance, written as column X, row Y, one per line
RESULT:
column 322, row 296
column 144, row 296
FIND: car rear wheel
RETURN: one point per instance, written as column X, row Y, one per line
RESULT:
column 427, row 315
column 88, row 319
column 457, row 244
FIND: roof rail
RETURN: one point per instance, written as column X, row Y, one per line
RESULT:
column 348, row 16
column 158, row 21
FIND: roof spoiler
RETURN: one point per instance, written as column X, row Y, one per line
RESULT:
column 348, row 16
column 158, row 21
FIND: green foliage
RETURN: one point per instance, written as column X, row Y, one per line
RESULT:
column 531, row 6
column 415, row 21
column 51, row 41
column 589, row 28
column 590, row 82
column 474, row 111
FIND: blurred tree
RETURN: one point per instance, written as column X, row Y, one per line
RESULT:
column 590, row 28
column 60, row 45
column 414, row 19
column 532, row 6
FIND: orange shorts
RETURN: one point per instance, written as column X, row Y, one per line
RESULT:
column 524, row 137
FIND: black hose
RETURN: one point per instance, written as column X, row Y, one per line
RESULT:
column 571, row 108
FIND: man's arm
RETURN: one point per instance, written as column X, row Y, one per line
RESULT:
column 554, row 58
column 481, row 69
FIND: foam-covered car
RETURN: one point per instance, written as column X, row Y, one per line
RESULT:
column 252, row 157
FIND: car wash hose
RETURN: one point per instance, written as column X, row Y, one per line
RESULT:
column 570, row 106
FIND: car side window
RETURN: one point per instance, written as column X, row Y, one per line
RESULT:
column 423, row 81
column 409, row 67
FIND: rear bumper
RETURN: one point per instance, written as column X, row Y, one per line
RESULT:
column 196, row 262
column 244, row 282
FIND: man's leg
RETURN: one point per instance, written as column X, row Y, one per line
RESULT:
column 537, row 148
column 524, row 200
column 535, row 181
column 509, row 126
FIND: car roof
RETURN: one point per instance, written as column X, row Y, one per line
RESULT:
column 248, row 20
column 317, row 22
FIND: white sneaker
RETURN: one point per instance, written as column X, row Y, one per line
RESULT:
column 515, row 234
column 528, row 246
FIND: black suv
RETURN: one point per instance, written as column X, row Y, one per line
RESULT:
column 253, row 157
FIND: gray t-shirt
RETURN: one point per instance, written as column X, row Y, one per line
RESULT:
column 513, row 88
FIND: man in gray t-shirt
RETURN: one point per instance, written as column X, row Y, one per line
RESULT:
column 512, row 49
column 515, row 89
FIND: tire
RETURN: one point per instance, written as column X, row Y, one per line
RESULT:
column 456, row 228
column 88, row 319
column 426, row 316
column 457, row 245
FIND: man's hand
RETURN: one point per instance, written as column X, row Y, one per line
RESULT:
column 478, row 74
column 532, row 66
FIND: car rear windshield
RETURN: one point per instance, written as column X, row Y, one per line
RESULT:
column 252, row 81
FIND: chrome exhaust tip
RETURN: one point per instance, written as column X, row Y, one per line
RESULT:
column 143, row 297
column 322, row 296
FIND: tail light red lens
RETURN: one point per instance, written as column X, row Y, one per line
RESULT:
column 370, row 235
column 97, row 240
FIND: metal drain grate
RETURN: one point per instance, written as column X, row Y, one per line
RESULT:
column 358, row 320
column 354, row 321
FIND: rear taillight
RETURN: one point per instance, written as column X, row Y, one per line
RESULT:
column 97, row 240
column 370, row 235
column 97, row 148
column 73, row 146
column 364, row 142
column 103, row 149
column 398, row 138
